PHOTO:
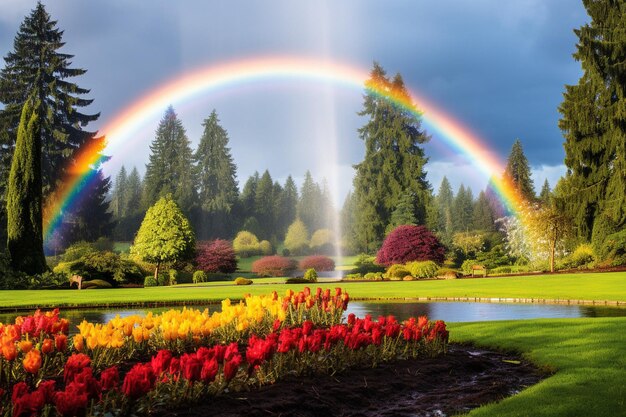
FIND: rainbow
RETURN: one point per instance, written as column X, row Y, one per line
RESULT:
column 122, row 128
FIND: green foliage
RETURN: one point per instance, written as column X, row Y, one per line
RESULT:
column 447, row 273
column 593, row 121
column 483, row 216
column 322, row 241
column 582, row 255
column 517, row 172
column 313, row 204
column 296, row 280
column 96, row 283
column 310, row 275
column 37, row 67
column 107, row 266
column 165, row 235
column 287, row 203
column 173, row 275
column 494, row 258
column 444, row 203
column 467, row 265
column 199, row 276
column 163, row 279
column 397, row 272
column 603, row 227
column 265, row 247
column 77, row 250
column 149, row 281
column 297, row 238
column 469, row 243
column 463, row 209
column 24, row 197
column 616, row 248
column 170, row 170
column 246, row 244
column 403, row 213
column 422, row 269
column 373, row 276
column 264, row 205
column 243, row 281
column 365, row 264
column 394, row 163
column 350, row 277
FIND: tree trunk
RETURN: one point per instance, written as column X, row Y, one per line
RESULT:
column 156, row 273
column 552, row 250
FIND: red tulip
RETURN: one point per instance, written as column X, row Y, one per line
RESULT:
column 74, row 365
column 231, row 367
column 138, row 381
column 110, row 379
column 209, row 371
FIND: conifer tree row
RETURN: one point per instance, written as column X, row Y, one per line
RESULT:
column 593, row 121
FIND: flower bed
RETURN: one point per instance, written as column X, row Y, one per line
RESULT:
column 308, row 337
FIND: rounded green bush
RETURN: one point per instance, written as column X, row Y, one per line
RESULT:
column 397, row 272
column 173, row 275
column 242, row 281
column 96, row 283
column 149, row 281
column 199, row 276
column 310, row 275
column 422, row 269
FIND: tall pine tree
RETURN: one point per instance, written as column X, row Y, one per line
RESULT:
column 517, row 172
column 24, row 199
column 119, row 200
column 482, row 214
column 37, row 67
column 463, row 209
column 593, row 119
column 170, row 169
column 310, row 206
column 394, row 160
column 264, row 206
column 445, row 202
column 287, row 206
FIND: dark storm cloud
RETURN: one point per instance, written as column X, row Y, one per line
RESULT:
column 498, row 66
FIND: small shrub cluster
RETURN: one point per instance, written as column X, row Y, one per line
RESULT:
column 322, row 241
column 422, row 269
column 199, row 277
column 317, row 262
column 216, row 256
column 297, row 238
column 246, row 244
column 365, row 264
column 447, row 273
column 149, row 281
column 273, row 266
column 242, row 281
column 583, row 257
column 410, row 243
column 107, row 266
column 265, row 247
column 396, row 272
column 310, row 275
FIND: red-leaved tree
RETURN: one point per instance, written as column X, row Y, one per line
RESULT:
column 273, row 266
column 317, row 262
column 216, row 256
column 410, row 243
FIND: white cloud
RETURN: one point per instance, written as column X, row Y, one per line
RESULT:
column 550, row 172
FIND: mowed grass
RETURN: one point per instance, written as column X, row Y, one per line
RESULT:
column 590, row 286
column 587, row 356
column 342, row 264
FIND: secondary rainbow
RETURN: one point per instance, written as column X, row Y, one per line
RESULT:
column 122, row 129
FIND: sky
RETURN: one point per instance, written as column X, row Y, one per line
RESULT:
column 497, row 67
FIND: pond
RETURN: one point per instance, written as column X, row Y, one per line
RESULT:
column 447, row 311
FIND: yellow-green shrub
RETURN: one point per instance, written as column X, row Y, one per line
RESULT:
column 422, row 269
column 397, row 272
column 242, row 281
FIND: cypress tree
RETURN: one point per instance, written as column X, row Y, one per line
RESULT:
column 517, row 172
column 133, row 193
column 482, row 216
column 310, row 206
column 120, row 194
column 248, row 195
column 593, row 119
column 217, row 172
column 36, row 67
column 170, row 168
column 264, row 205
column 24, row 197
column 287, row 206
column 545, row 196
column 445, row 202
column 394, row 162
column 463, row 209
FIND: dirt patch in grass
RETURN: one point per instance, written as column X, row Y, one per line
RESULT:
column 464, row 378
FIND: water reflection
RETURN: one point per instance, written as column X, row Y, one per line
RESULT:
column 447, row 311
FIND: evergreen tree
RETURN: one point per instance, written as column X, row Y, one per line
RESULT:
column 517, row 172
column 327, row 208
column 36, row 68
column 133, row 193
column 482, row 215
column 463, row 209
column 394, row 162
column 91, row 219
column 248, row 195
column 546, row 195
column 593, row 119
column 24, row 199
column 445, row 203
column 264, row 205
column 497, row 208
column 119, row 201
column 287, row 206
column 310, row 209
column 403, row 213
column 348, row 223
column 217, row 172
column 170, row 168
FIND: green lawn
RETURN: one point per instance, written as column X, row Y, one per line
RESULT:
column 588, row 357
column 342, row 264
column 592, row 286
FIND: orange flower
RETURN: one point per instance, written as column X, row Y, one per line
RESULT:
column 79, row 342
column 9, row 351
column 25, row 345
column 60, row 340
column 47, row 346
column 32, row 361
